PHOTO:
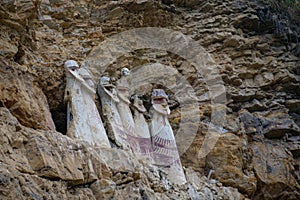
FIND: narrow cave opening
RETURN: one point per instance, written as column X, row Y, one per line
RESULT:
column 59, row 116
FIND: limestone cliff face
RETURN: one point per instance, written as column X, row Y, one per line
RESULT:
column 254, row 46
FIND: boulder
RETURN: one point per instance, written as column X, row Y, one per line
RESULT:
column 226, row 161
column 273, row 167
column 25, row 100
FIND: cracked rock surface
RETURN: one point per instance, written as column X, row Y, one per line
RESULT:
column 255, row 48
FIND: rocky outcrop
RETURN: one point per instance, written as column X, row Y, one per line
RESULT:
column 24, row 98
column 254, row 45
column 226, row 161
column 274, row 169
column 49, row 164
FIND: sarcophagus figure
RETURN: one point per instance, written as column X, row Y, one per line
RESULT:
column 165, row 150
column 124, row 110
column 109, row 101
column 84, row 121
column 142, row 130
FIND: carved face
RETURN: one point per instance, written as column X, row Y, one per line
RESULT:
column 72, row 65
column 104, row 80
column 159, row 97
column 161, row 102
column 159, row 93
column 125, row 71
column 138, row 103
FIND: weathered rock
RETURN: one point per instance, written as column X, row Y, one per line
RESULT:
column 254, row 44
column 250, row 123
column 293, row 105
column 103, row 189
column 227, row 162
column 255, row 105
column 120, row 160
column 293, row 145
column 46, row 161
column 206, row 188
column 274, row 165
column 24, row 99
column 234, row 41
column 277, row 124
column 55, row 156
column 243, row 95
column 272, row 125
column 264, row 79
column 247, row 21
column 187, row 3
column 7, row 49
column 284, row 76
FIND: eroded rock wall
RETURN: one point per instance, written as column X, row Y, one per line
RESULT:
column 256, row 48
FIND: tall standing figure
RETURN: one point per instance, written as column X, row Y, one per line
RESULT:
column 142, row 129
column 124, row 110
column 109, row 101
column 165, row 150
column 83, row 118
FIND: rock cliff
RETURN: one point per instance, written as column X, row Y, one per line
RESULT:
column 253, row 154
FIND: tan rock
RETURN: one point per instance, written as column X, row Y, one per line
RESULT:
column 120, row 160
column 264, row 79
column 37, row 36
column 273, row 168
column 243, row 95
column 24, row 99
column 293, row 145
column 47, row 160
column 284, row 76
column 234, row 41
column 7, row 49
column 103, row 189
column 226, row 161
column 293, row 105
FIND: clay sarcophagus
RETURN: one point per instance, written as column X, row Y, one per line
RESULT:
column 124, row 110
column 165, row 150
column 109, row 101
column 141, row 130
column 84, row 122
